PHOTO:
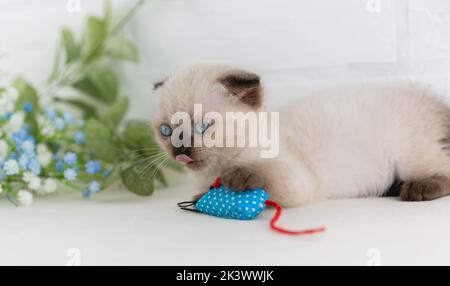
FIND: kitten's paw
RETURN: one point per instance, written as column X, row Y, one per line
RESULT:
column 240, row 179
column 423, row 190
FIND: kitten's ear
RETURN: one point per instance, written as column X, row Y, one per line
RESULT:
column 243, row 85
column 159, row 84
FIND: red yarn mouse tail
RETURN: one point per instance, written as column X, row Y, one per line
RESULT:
column 218, row 182
column 277, row 215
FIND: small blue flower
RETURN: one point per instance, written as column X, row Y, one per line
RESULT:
column 50, row 113
column 11, row 167
column 2, row 175
column 70, row 158
column 107, row 173
column 93, row 167
column 59, row 166
column 70, row 174
column 34, row 166
column 79, row 137
column 28, row 107
column 23, row 161
column 2, row 162
column 19, row 137
column 13, row 156
column 27, row 147
column 7, row 116
column 69, row 118
column 59, row 124
column 94, row 187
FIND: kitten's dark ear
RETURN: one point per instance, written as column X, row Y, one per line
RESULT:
column 159, row 84
column 243, row 85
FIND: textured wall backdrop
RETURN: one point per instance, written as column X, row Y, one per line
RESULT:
column 293, row 43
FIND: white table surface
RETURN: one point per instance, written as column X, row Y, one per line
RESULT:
column 118, row 228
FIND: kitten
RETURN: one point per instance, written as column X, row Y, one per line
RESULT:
column 337, row 143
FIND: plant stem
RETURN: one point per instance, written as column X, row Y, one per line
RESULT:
column 71, row 185
column 128, row 16
column 64, row 78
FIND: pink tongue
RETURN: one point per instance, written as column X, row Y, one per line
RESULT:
column 183, row 158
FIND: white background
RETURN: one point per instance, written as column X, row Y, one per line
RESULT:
column 291, row 43
column 294, row 45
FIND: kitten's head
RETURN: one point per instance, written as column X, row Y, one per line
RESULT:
column 218, row 89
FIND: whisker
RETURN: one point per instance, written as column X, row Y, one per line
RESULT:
column 146, row 159
column 159, row 167
column 145, row 156
column 153, row 163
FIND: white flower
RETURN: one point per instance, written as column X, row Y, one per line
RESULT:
column 28, row 146
column 44, row 156
column 3, row 148
column 46, row 126
column 15, row 122
column 34, row 182
column 25, row 197
column 48, row 130
column 11, row 167
column 27, row 176
column 1, row 189
column 50, row 186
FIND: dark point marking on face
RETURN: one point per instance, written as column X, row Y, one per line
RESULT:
column 243, row 85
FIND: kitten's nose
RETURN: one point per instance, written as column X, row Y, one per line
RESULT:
column 182, row 151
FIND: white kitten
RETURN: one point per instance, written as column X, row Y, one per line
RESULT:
column 346, row 142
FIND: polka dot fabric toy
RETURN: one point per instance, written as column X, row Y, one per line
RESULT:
column 224, row 203
column 241, row 205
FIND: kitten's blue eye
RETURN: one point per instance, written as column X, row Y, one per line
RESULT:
column 166, row 130
column 200, row 128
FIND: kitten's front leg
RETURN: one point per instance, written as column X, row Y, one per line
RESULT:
column 242, row 178
column 236, row 178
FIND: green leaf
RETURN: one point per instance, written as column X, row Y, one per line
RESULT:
column 26, row 94
column 95, row 33
column 87, row 109
column 139, row 135
column 120, row 48
column 101, row 84
column 115, row 113
column 70, row 45
column 100, row 141
column 56, row 63
column 159, row 176
column 136, row 181
column 31, row 121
